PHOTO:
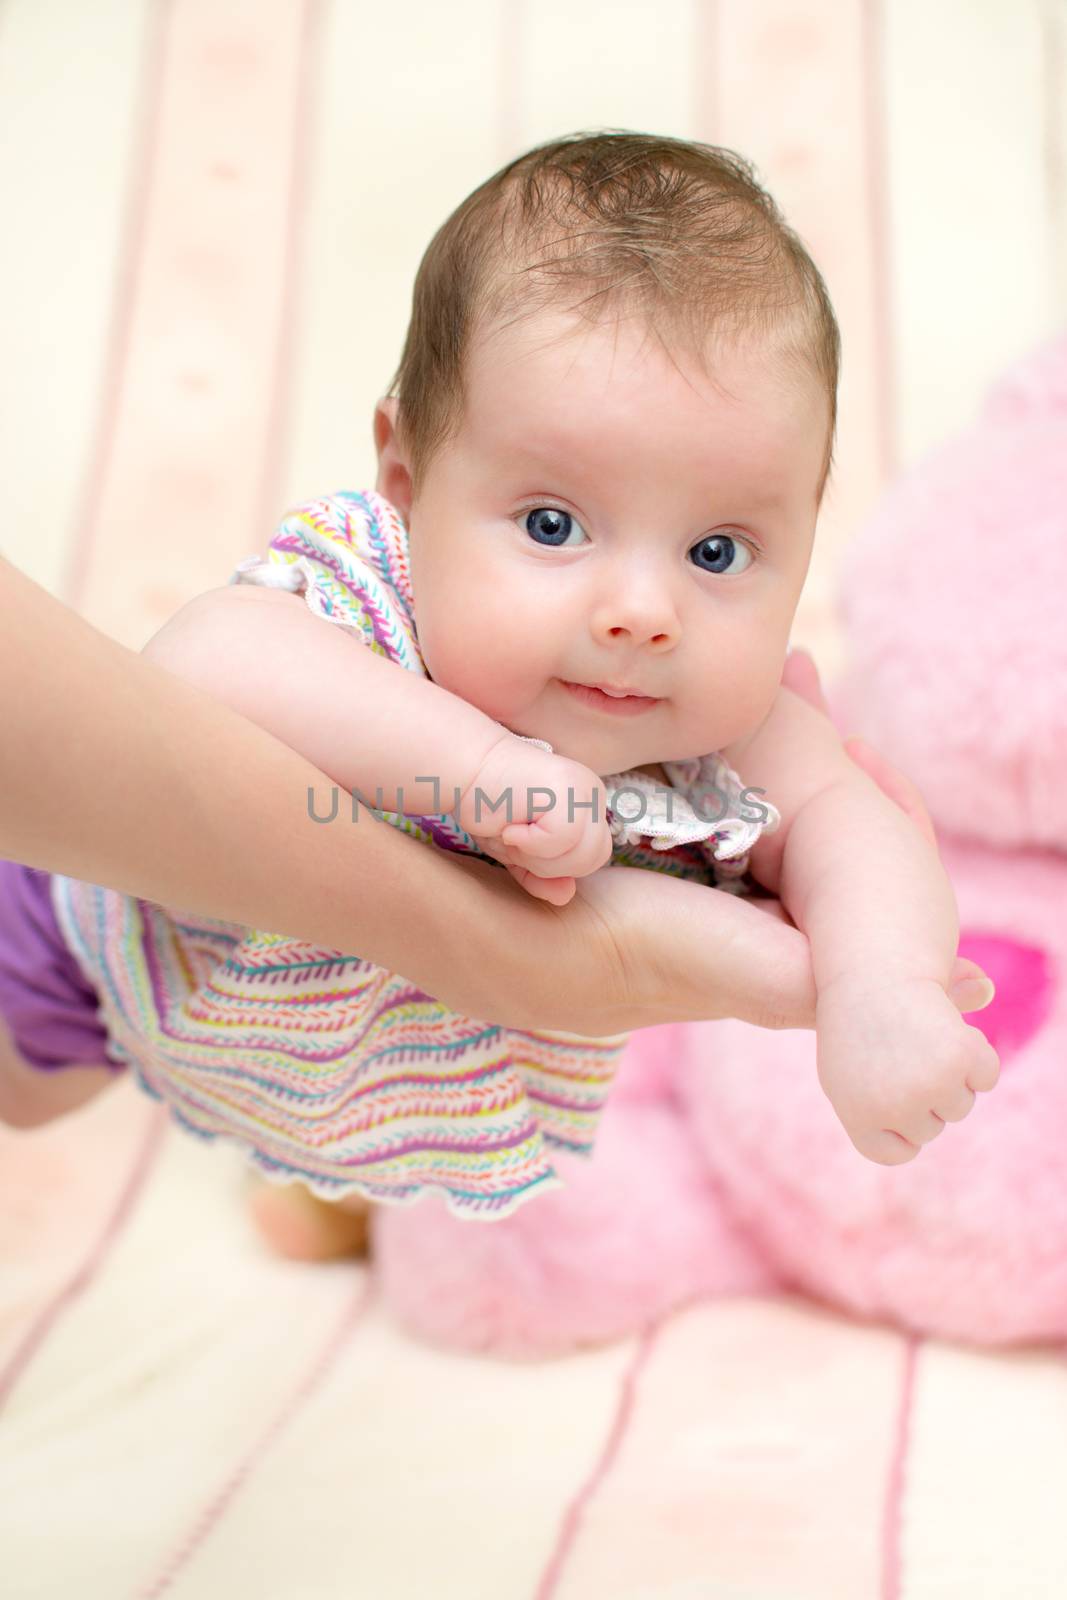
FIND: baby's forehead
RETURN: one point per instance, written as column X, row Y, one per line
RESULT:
column 592, row 411
column 655, row 356
column 568, row 376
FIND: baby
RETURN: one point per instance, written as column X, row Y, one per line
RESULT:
column 561, row 620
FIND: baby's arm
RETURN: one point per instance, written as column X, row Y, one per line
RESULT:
column 870, row 893
column 375, row 727
column 367, row 722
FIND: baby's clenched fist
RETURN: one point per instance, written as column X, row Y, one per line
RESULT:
column 897, row 1061
column 543, row 815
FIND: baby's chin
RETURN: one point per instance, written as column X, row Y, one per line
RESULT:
column 605, row 756
column 608, row 750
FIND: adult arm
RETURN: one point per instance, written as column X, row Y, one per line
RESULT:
column 117, row 772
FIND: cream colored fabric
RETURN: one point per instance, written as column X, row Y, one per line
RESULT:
column 214, row 214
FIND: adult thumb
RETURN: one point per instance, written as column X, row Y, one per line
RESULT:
column 969, row 988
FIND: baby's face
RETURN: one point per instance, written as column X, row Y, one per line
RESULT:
column 605, row 520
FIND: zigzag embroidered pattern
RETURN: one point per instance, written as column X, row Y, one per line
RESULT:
column 326, row 1068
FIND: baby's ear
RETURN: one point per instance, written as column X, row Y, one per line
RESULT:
column 394, row 476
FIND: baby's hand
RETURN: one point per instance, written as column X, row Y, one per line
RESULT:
column 897, row 1062
column 555, row 827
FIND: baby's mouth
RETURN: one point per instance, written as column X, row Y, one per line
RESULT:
column 616, row 701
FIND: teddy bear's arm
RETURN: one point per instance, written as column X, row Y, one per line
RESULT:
column 792, row 756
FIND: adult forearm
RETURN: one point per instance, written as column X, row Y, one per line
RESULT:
column 117, row 772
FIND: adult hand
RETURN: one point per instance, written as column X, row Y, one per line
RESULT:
column 182, row 801
column 666, row 950
column 631, row 949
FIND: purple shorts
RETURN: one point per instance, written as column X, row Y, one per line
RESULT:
column 45, row 1001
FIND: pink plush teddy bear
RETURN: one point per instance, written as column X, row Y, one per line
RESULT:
column 720, row 1167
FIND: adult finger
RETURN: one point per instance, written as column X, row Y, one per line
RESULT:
column 691, row 953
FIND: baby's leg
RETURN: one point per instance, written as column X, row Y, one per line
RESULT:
column 298, row 1225
column 31, row 1096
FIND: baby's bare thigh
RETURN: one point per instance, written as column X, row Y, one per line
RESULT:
column 30, row 1097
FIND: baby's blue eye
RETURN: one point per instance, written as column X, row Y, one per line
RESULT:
column 716, row 553
column 546, row 525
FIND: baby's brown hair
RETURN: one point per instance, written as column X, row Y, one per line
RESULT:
column 644, row 223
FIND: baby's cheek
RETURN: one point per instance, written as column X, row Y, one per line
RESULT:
column 725, row 724
column 737, row 690
column 476, row 668
column 758, row 685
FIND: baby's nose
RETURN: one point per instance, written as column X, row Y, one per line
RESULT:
column 641, row 614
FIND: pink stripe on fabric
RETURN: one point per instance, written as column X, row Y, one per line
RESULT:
column 82, row 538
column 754, row 1459
column 704, row 81
column 37, row 1334
column 509, row 80
column 572, row 1519
column 1053, row 26
column 280, row 414
column 774, row 61
column 897, row 1480
column 183, row 469
column 877, row 157
column 221, row 1501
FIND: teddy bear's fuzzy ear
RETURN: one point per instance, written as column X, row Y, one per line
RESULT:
column 1035, row 384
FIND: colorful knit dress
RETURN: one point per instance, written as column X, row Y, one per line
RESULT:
column 326, row 1068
